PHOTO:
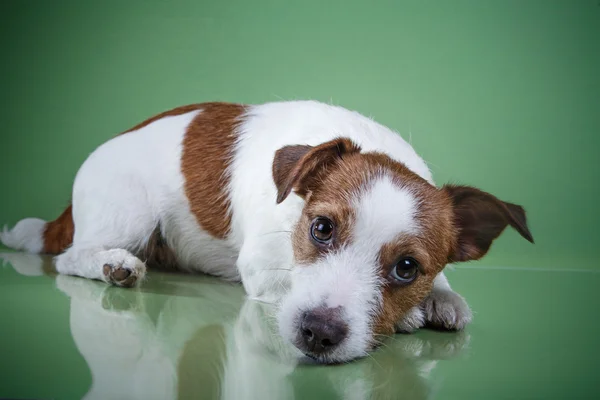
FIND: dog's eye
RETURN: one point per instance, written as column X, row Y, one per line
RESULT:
column 321, row 230
column 406, row 270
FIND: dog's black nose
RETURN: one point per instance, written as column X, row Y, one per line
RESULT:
column 322, row 329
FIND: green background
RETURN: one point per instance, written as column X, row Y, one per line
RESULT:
column 503, row 95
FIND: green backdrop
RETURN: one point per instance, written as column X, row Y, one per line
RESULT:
column 503, row 95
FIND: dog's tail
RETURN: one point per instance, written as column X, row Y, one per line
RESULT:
column 34, row 235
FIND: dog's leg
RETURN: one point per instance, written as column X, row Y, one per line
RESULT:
column 444, row 308
column 104, row 236
column 413, row 320
column 265, row 267
column 107, row 230
column 115, row 213
column 115, row 266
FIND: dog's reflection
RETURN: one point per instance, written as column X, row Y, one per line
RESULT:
column 195, row 337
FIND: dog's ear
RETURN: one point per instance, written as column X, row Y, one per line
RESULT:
column 296, row 167
column 479, row 219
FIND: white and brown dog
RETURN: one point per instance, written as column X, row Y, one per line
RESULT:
column 311, row 205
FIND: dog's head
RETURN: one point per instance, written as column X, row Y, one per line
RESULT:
column 372, row 237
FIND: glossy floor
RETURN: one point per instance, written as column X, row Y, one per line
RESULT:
column 535, row 335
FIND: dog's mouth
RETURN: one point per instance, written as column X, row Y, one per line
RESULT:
column 308, row 357
column 313, row 358
column 321, row 360
column 325, row 358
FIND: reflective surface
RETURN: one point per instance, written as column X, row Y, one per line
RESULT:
column 535, row 335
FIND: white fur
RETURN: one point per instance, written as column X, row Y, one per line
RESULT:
column 26, row 235
column 133, row 183
column 384, row 212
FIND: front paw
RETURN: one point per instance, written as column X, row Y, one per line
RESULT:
column 413, row 320
column 446, row 309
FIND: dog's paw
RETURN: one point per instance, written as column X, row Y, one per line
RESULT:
column 446, row 309
column 413, row 320
column 121, row 268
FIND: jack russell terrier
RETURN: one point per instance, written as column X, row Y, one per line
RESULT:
column 314, row 207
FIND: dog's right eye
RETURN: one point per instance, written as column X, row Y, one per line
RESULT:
column 321, row 230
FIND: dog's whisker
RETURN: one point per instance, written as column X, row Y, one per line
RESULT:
column 374, row 360
column 382, row 344
column 382, row 335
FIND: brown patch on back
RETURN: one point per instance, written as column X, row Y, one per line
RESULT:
column 207, row 151
column 170, row 113
column 58, row 234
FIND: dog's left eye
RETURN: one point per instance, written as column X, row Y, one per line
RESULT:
column 406, row 270
column 321, row 230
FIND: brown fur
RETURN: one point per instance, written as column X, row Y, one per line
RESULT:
column 296, row 167
column 207, row 151
column 310, row 177
column 157, row 254
column 58, row 234
column 431, row 247
column 169, row 113
column 481, row 218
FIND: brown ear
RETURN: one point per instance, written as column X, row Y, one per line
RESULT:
column 480, row 218
column 295, row 167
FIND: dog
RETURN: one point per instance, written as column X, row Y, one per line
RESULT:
column 315, row 207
